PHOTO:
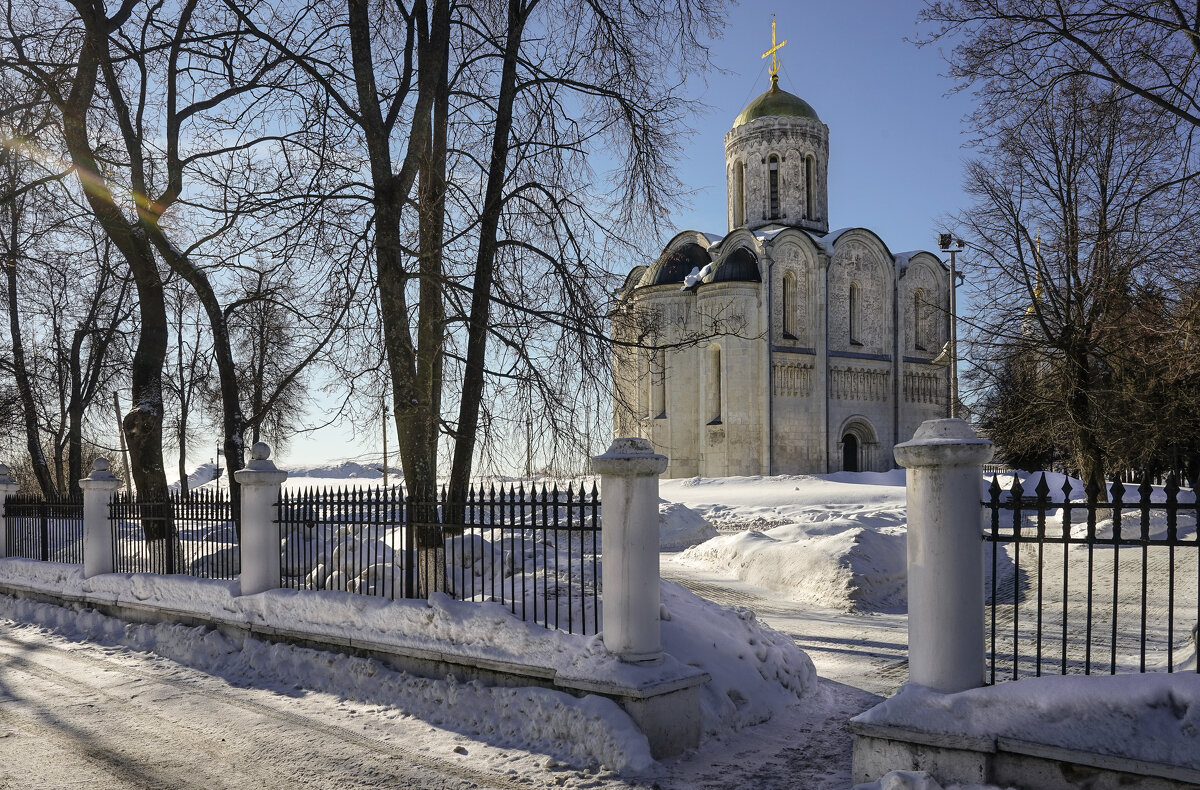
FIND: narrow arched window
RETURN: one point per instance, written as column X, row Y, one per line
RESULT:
column 773, row 175
column 739, row 194
column 918, row 319
column 810, row 191
column 855, row 319
column 714, row 385
column 658, row 392
column 789, row 305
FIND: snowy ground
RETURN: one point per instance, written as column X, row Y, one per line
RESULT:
column 819, row 558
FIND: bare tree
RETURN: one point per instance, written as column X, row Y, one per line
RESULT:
column 1079, row 225
column 492, row 235
column 187, row 375
column 86, row 353
column 205, row 175
column 1020, row 51
column 24, row 183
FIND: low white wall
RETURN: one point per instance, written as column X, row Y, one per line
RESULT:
column 430, row 638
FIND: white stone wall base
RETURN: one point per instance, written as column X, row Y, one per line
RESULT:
column 666, row 708
column 1006, row 762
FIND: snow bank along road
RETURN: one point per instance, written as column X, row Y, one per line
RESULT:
column 79, row 715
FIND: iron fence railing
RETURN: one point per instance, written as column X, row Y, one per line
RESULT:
column 47, row 530
column 1078, row 584
column 193, row 534
column 536, row 551
column 349, row 539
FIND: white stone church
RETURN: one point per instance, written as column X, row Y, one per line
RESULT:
column 780, row 347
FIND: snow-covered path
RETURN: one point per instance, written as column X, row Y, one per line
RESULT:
column 74, row 714
column 865, row 651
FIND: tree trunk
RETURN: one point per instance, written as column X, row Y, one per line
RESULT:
column 412, row 366
column 1089, row 456
column 481, row 295
column 233, row 421
column 75, row 407
column 143, row 424
column 181, row 437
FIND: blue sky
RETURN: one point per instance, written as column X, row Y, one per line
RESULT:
column 896, row 138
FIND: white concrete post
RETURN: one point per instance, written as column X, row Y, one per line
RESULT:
column 8, row 487
column 945, row 554
column 98, row 488
column 629, row 534
column 260, row 482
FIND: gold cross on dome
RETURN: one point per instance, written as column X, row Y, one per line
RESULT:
column 774, row 70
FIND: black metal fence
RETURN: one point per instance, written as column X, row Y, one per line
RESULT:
column 350, row 539
column 536, row 551
column 47, row 530
column 192, row 534
column 1078, row 584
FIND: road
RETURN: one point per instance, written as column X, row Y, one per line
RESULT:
column 77, row 715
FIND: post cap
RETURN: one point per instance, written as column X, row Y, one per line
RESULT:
column 101, row 470
column 630, row 456
column 101, row 478
column 945, row 442
column 261, row 470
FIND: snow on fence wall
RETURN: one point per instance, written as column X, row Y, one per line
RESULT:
column 1082, row 585
column 536, row 551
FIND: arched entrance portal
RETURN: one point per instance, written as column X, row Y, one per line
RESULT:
column 858, row 446
column 850, row 453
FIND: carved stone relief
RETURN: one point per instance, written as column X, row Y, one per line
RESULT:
column 924, row 388
column 792, row 379
column 933, row 308
column 863, row 384
column 854, row 263
column 789, row 260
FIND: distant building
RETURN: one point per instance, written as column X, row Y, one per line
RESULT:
column 825, row 346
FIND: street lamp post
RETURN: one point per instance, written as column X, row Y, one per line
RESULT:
column 949, row 243
column 217, row 470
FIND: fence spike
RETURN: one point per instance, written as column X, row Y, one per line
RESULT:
column 994, row 490
column 1042, row 489
column 1118, row 492
column 1066, row 488
column 1145, row 489
column 1171, row 488
column 1093, row 489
